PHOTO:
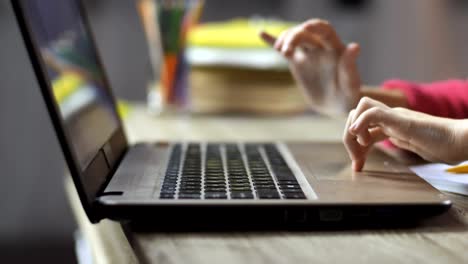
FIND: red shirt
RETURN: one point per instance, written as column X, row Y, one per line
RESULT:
column 444, row 98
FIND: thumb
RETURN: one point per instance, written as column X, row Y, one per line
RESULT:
column 348, row 74
column 351, row 53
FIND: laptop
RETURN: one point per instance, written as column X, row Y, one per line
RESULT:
column 214, row 184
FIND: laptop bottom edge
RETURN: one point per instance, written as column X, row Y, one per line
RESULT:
column 264, row 218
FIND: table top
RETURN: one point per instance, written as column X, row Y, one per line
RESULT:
column 443, row 239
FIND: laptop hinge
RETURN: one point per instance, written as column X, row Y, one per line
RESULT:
column 108, row 154
column 113, row 151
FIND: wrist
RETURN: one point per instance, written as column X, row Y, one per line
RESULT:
column 460, row 128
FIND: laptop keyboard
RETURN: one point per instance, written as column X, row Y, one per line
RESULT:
column 229, row 171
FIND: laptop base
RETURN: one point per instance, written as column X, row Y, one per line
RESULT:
column 212, row 218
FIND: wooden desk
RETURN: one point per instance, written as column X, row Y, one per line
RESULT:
column 440, row 240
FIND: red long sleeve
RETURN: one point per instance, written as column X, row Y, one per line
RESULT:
column 445, row 98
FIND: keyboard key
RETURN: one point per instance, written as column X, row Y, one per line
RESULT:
column 190, row 192
column 263, row 181
column 215, row 195
column 242, row 195
column 215, row 181
column 215, row 189
column 189, row 184
column 264, row 186
column 268, row 194
column 294, row 195
column 189, row 196
column 286, row 182
column 215, row 186
column 240, row 189
column 168, row 189
column 290, row 187
column 190, row 181
column 190, row 189
column 285, row 176
column 168, row 192
column 239, row 184
column 166, row 196
column 238, row 178
column 286, row 191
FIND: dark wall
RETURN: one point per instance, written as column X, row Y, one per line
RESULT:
column 36, row 222
column 34, row 214
column 122, row 46
column 31, row 164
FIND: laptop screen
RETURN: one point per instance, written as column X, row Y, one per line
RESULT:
column 74, row 73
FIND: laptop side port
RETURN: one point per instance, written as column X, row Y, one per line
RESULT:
column 330, row 215
column 297, row 216
column 360, row 212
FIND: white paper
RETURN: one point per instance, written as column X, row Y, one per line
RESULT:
column 254, row 58
column 82, row 249
column 436, row 175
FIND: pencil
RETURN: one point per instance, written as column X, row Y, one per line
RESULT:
column 458, row 169
column 168, row 76
column 176, row 17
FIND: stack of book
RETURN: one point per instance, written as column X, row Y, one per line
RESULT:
column 232, row 70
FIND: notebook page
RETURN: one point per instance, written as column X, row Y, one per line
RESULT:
column 436, row 175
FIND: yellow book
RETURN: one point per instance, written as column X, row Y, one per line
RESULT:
column 66, row 85
column 236, row 43
column 236, row 33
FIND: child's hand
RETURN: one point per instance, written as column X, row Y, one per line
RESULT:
column 433, row 138
column 322, row 65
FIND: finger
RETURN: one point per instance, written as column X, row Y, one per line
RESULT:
column 326, row 33
column 279, row 40
column 349, row 57
column 299, row 37
column 347, row 68
column 363, row 138
column 348, row 77
column 376, row 135
column 268, row 38
column 358, row 165
column 349, row 121
column 365, row 104
column 372, row 117
column 372, row 136
column 351, row 53
column 390, row 120
column 355, row 151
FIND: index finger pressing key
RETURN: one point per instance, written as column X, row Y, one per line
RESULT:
column 355, row 151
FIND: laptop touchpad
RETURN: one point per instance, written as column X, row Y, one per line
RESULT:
column 329, row 161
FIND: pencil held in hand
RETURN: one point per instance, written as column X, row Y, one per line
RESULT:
column 322, row 65
column 268, row 38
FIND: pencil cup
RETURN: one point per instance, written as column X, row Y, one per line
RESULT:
column 166, row 23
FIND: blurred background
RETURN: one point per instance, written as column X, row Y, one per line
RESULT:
column 415, row 40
